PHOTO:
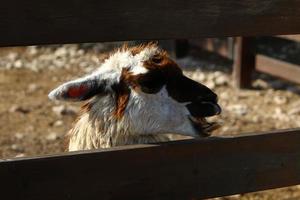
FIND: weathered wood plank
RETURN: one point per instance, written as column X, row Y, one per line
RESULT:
column 279, row 68
column 72, row 21
column 177, row 170
column 244, row 61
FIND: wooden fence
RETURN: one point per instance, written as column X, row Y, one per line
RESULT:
column 71, row 21
column 176, row 170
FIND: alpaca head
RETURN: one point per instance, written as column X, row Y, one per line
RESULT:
column 150, row 94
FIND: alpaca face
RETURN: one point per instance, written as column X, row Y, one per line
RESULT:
column 150, row 93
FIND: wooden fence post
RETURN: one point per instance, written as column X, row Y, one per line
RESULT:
column 181, row 48
column 244, row 61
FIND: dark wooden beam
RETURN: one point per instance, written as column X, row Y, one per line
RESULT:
column 244, row 61
column 188, row 169
column 73, row 21
column 279, row 68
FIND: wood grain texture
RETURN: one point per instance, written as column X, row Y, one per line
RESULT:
column 279, row 68
column 177, row 170
column 74, row 21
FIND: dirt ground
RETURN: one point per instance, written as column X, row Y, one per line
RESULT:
column 31, row 125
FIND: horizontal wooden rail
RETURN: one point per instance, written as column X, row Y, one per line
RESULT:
column 177, row 170
column 278, row 68
column 71, row 21
column 290, row 37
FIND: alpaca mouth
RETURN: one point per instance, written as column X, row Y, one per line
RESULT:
column 203, row 127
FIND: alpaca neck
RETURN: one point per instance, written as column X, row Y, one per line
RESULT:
column 86, row 135
column 95, row 129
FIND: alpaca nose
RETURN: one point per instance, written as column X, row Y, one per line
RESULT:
column 204, row 109
column 201, row 101
column 210, row 103
column 210, row 97
column 205, row 105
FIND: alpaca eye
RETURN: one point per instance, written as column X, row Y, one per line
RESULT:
column 152, row 82
column 156, row 59
column 150, row 86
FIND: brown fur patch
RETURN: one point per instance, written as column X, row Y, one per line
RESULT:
column 129, row 78
column 161, row 69
column 162, row 62
column 86, row 107
column 122, row 93
column 121, row 103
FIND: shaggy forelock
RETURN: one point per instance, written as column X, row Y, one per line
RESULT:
column 128, row 57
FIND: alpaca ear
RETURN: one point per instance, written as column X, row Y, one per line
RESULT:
column 80, row 89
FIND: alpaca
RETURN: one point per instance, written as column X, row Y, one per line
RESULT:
column 137, row 95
